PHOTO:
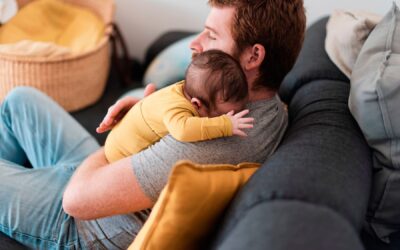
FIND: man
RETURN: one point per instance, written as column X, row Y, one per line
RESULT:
column 106, row 205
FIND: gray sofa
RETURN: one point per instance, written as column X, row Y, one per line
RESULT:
column 313, row 192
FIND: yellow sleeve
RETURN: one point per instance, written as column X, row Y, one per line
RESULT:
column 184, row 126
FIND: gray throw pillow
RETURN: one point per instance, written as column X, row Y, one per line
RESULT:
column 375, row 104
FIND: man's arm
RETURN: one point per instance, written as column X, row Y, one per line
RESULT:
column 151, row 167
column 98, row 189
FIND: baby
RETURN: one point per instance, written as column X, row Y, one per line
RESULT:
column 202, row 107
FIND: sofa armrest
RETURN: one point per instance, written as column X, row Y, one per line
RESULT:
column 313, row 63
column 306, row 227
column 323, row 161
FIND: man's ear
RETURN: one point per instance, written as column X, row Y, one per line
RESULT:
column 196, row 102
column 253, row 56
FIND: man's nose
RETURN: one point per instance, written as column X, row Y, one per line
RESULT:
column 195, row 45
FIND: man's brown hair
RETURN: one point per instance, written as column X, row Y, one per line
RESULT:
column 214, row 75
column 278, row 25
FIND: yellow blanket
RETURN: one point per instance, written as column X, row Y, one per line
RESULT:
column 57, row 22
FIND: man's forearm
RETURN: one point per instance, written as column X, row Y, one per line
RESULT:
column 95, row 161
column 98, row 189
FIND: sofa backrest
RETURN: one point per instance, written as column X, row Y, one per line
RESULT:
column 313, row 63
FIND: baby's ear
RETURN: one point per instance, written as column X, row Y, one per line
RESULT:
column 196, row 102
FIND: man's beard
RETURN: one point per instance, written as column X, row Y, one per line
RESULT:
column 236, row 54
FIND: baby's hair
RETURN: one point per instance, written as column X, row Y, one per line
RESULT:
column 214, row 74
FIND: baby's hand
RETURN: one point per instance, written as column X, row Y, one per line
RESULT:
column 240, row 122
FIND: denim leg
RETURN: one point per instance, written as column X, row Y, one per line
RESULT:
column 33, row 126
column 31, row 207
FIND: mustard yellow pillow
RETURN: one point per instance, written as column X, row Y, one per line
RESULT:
column 190, row 205
column 57, row 22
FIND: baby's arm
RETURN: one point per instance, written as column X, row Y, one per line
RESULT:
column 183, row 126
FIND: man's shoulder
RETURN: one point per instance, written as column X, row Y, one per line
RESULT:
column 269, row 127
column 267, row 108
column 270, row 124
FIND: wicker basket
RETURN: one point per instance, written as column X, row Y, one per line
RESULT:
column 74, row 81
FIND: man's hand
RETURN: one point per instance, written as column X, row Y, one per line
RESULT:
column 240, row 122
column 117, row 111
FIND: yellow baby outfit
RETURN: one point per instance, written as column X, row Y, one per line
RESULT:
column 166, row 111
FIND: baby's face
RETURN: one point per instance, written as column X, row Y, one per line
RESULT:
column 225, row 107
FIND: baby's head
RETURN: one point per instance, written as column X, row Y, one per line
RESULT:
column 215, row 84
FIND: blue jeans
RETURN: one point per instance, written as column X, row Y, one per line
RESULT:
column 34, row 128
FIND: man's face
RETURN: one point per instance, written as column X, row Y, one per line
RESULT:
column 217, row 32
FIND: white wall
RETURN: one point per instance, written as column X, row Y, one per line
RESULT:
column 318, row 8
column 142, row 21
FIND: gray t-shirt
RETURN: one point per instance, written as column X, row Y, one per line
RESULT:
column 153, row 165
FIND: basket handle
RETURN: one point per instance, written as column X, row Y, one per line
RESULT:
column 123, row 65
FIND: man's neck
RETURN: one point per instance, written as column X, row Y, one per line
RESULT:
column 261, row 94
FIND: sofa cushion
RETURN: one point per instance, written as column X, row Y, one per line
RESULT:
column 313, row 63
column 346, row 34
column 162, row 42
column 191, row 204
column 374, row 102
column 170, row 65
